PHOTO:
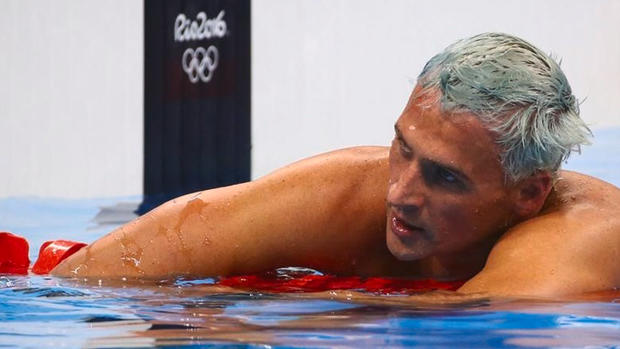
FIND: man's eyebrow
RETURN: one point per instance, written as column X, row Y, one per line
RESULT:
column 450, row 168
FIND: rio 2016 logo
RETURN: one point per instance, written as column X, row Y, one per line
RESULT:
column 199, row 63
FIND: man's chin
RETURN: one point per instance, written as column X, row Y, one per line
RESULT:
column 406, row 252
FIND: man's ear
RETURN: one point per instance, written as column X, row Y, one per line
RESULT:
column 531, row 193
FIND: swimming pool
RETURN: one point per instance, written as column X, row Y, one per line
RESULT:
column 45, row 312
column 38, row 312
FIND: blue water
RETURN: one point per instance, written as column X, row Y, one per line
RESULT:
column 40, row 312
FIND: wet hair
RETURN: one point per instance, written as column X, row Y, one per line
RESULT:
column 518, row 93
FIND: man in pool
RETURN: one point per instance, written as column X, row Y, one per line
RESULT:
column 470, row 189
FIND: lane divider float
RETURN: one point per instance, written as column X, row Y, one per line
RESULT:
column 53, row 252
column 14, row 254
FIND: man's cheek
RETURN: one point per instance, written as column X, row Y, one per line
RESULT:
column 458, row 222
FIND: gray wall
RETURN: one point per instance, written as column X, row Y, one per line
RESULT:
column 70, row 98
column 326, row 74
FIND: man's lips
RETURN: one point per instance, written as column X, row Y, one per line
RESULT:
column 403, row 229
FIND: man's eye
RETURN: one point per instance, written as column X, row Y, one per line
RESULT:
column 404, row 149
column 446, row 175
column 436, row 175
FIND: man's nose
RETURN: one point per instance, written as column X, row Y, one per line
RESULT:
column 407, row 188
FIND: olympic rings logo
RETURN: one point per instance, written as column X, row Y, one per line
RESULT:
column 200, row 64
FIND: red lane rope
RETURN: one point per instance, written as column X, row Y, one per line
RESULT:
column 53, row 252
column 13, row 254
column 315, row 283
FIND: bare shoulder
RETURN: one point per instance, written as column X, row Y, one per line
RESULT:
column 586, row 206
column 577, row 191
column 351, row 176
column 572, row 246
column 362, row 158
column 345, row 190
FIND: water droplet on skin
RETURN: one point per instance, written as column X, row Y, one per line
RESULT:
column 130, row 260
column 123, row 279
column 206, row 241
column 77, row 269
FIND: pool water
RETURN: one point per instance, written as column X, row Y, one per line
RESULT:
column 40, row 312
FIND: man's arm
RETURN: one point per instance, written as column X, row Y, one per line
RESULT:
column 324, row 212
column 567, row 252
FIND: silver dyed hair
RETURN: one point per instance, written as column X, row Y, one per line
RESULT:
column 518, row 93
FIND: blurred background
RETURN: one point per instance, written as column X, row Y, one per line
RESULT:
column 325, row 74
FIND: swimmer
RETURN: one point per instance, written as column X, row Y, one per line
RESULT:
column 470, row 189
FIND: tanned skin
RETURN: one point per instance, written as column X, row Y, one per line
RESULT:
column 436, row 204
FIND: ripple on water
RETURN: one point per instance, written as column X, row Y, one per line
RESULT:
column 50, row 292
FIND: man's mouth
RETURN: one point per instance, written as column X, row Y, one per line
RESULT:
column 404, row 229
